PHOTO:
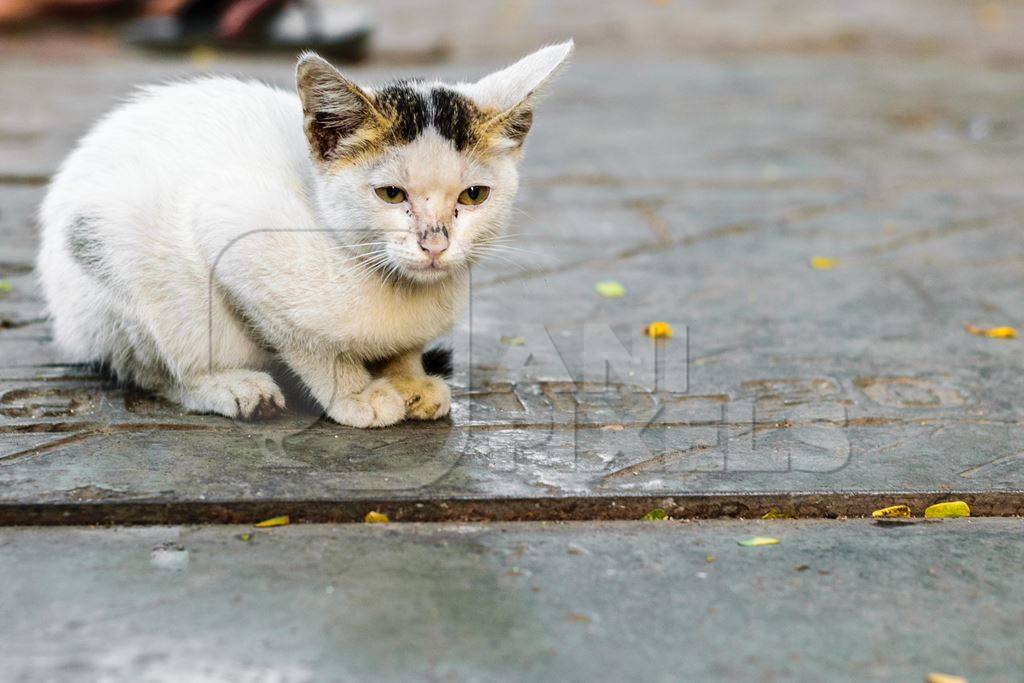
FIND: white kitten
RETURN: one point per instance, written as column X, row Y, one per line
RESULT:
column 207, row 226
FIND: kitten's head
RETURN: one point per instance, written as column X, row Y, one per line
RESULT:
column 415, row 176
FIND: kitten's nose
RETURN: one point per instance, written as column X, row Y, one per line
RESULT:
column 433, row 241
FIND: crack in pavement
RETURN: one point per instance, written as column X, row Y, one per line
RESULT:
column 730, row 230
column 929, row 234
column 649, row 211
column 805, row 504
column 971, row 471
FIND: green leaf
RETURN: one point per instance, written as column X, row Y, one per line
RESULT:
column 758, row 541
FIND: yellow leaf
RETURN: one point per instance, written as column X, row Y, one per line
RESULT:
column 658, row 330
column 273, row 521
column 944, row 678
column 775, row 513
column 953, row 508
column 610, row 289
column 892, row 511
column 374, row 517
column 1001, row 333
column 823, row 263
column 757, row 541
column 1004, row 332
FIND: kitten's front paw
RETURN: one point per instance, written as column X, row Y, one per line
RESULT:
column 378, row 405
column 240, row 394
column 426, row 398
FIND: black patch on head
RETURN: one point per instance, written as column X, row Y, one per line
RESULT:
column 453, row 116
column 85, row 246
column 406, row 108
column 411, row 111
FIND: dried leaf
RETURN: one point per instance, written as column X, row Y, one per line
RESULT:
column 658, row 330
column 513, row 341
column 610, row 289
column 655, row 514
column 758, row 541
column 283, row 520
column 612, row 428
column 374, row 517
column 892, row 511
column 823, row 263
column 949, row 509
column 1004, row 332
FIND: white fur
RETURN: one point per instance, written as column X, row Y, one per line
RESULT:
column 215, row 240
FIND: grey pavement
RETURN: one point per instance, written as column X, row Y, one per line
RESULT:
column 704, row 183
column 834, row 601
column 701, row 154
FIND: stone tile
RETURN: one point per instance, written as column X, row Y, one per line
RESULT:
column 653, row 600
column 704, row 183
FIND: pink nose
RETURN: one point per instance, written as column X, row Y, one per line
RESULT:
column 434, row 241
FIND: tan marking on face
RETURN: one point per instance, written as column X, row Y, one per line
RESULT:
column 369, row 141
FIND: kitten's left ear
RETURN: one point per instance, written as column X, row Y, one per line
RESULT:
column 513, row 92
column 337, row 113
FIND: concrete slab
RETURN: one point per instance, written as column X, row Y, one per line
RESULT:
column 705, row 183
column 661, row 601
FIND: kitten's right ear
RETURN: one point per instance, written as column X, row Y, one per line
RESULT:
column 334, row 108
column 512, row 92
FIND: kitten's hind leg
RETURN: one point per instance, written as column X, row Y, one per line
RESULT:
column 244, row 394
column 426, row 397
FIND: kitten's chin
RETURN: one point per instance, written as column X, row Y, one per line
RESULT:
column 425, row 275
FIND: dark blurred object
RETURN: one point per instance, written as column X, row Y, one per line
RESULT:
column 339, row 32
column 25, row 14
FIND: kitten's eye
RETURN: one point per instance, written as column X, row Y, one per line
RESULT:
column 391, row 194
column 474, row 195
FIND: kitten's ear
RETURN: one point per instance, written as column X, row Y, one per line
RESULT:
column 513, row 92
column 334, row 108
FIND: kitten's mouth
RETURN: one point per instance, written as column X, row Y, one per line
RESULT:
column 425, row 272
